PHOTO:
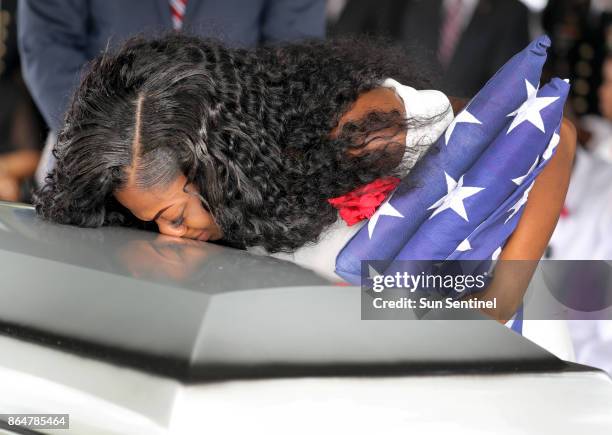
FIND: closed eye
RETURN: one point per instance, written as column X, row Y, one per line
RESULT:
column 177, row 222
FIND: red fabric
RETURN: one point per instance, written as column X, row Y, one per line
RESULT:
column 177, row 9
column 564, row 212
column 362, row 202
column 450, row 32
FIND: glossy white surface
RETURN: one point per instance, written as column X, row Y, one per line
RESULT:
column 105, row 399
column 570, row 403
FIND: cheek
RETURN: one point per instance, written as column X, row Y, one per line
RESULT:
column 198, row 216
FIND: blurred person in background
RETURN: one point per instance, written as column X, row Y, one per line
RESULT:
column 22, row 129
column 599, row 128
column 58, row 37
column 581, row 38
column 584, row 231
column 469, row 40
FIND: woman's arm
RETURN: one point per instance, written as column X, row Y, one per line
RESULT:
column 19, row 164
column 14, row 167
column 530, row 239
column 546, row 199
column 532, row 234
column 379, row 99
column 457, row 103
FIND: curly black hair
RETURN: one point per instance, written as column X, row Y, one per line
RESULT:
column 249, row 127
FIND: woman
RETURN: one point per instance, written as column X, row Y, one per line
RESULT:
column 248, row 146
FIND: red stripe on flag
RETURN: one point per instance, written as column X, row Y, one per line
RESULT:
column 176, row 13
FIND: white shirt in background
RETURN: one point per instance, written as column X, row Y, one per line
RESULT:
column 586, row 234
column 601, row 139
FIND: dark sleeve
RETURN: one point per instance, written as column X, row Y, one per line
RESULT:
column 286, row 20
column 378, row 18
column 513, row 38
column 356, row 18
column 52, row 42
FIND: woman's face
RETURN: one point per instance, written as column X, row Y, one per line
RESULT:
column 176, row 208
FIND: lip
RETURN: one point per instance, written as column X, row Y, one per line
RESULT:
column 203, row 236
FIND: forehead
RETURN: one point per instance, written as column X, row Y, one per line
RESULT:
column 145, row 203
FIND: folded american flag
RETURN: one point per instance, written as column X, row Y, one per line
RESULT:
column 464, row 199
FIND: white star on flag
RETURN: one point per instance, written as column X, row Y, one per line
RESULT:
column 463, row 117
column 554, row 141
column 384, row 210
column 372, row 272
column 521, row 202
column 519, row 180
column 464, row 246
column 454, row 198
column 530, row 109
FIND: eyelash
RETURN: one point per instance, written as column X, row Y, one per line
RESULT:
column 177, row 222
